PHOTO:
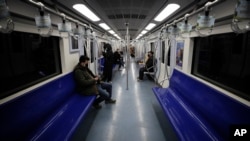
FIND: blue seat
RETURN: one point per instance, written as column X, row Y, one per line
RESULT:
column 199, row 112
column 50, row 112
column 101, row 64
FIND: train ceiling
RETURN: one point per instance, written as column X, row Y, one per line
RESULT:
column 115, row 13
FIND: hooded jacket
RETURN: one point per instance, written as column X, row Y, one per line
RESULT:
column 85, row 82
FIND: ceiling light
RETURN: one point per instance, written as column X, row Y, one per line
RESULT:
column 144, row 32
column 168, row 10
column 111, row 32
column 150, row 26
column 86, row 12
column 104, row 26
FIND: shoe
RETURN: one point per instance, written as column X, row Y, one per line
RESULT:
column 97, row 106
column 110, row 101
column 138, row 79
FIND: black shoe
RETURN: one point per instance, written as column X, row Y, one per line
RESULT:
column 138, row 79
column 97, row 106
column 110, row 101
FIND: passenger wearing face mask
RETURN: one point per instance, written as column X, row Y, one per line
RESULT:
column 148, row 66
column 89, row 84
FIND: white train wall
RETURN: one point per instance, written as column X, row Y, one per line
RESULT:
column 164, row 71
column 69, row 58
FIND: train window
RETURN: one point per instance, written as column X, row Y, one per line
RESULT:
column 168, row 53
column 152, row 46
column 100, row 49
column 224, row 60
column 74, row 44
column 85, row 48
column 92, row 51
column 27, row 59
column 162, row 51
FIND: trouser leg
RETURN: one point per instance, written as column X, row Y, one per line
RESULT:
column 110, row 74
column 98, row 100
column 108, row 88
column 141, row 73
column 119, row 65
column 103, row 93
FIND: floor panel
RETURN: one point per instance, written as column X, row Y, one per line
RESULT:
column 132, row 118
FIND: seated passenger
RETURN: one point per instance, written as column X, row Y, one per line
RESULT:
column 121, row 60
column 117, row 57
column 89, row 84
column 148, row 66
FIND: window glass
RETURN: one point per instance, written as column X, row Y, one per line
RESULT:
column 85, row 48
column 27, row 59
column 168, row 52
column 74, row 43
column 162, row 51
column 152, row 45
column 224, row 60
column 92, row 51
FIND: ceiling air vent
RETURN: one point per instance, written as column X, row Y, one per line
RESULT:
column 127, row 16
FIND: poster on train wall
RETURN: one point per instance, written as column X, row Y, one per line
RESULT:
column 179, row 53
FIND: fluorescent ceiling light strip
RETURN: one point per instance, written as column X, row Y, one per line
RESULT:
column 111, row 31
column 168, row 10
column 150, row 26
column 104, row 26
column 144, row 32
column 86, row 12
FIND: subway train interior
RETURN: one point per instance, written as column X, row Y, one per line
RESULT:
column 182, row 73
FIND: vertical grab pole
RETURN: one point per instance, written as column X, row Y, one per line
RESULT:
column 127, row 58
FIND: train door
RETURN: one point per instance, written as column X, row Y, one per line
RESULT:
column 157, row 59
column 166, row 51
column 82, row 42
column 94, row 54
column 155, row 47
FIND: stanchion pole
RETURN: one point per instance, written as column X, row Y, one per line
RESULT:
column 127, row 58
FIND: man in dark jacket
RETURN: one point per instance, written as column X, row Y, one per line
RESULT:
column 89, row 84
column 148, row 66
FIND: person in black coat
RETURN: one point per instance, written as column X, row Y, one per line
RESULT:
column 148, row 66
column 108, row 63
column 117, row 57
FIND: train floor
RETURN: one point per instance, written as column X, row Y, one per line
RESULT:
column 136, row 116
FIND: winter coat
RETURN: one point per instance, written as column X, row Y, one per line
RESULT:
column 149, row 64
column 85, row 82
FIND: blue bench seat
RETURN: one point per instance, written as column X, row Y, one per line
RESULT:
column 198, row 112
column 101, row 62
column 50, row 112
